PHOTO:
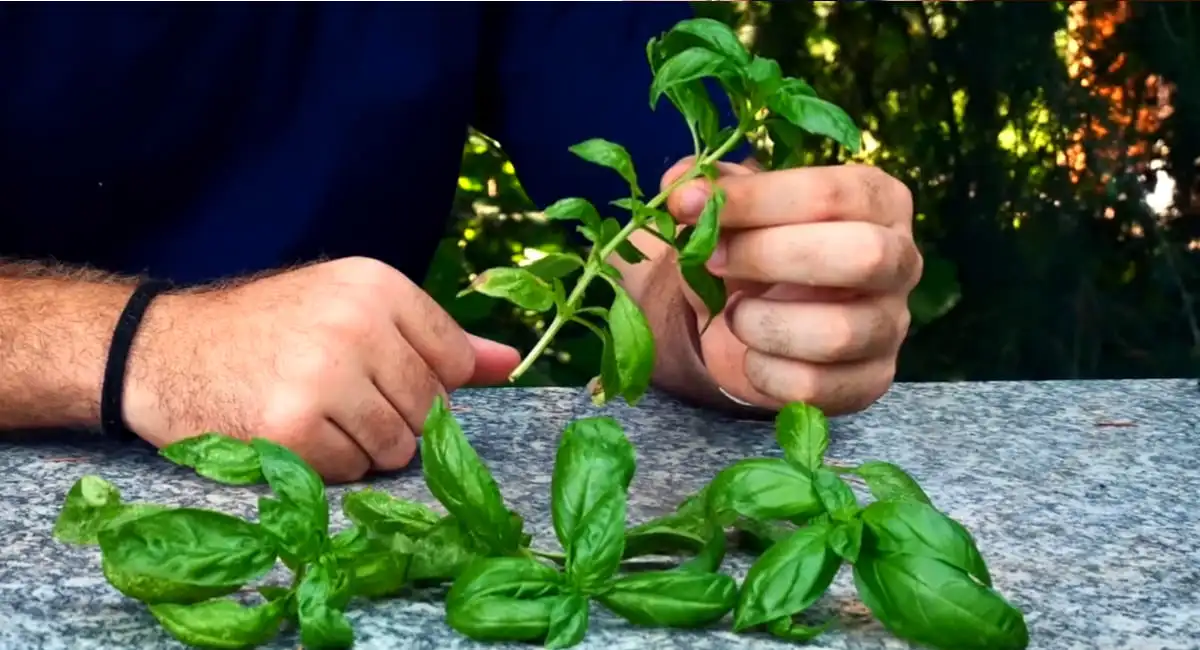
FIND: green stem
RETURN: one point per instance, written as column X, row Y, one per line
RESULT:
column 547, row 555
column 593, row 264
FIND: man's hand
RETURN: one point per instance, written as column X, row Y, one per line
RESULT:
column 339, row 361
column 818, row 263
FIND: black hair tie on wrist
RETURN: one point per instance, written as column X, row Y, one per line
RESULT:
column 112, row 420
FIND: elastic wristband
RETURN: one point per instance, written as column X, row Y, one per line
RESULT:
column 112, row 419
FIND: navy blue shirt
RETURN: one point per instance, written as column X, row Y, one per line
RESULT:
column 195, row 141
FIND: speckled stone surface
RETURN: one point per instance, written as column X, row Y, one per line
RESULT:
column 1082, row 495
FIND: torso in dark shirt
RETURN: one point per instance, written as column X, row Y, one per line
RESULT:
column 201, row 140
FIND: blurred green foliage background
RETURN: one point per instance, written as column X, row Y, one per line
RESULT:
column 1052, row 152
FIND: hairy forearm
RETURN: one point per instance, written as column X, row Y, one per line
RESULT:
column 55, row 327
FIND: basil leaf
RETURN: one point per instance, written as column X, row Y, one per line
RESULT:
column 670, row 534
column 609, row 229
column 888, row 482
column 458, row 479
column 382, row 513
column 766, row 76
column 294, row 481
column 816, row 115
column 601, row 152
column 184, row 555
column 633, row 347
column 555, row 265
column 929, row 602
column 504, row 599
column 709, row 559
column 568, row 621
column 516, row 285
column 592, row 471
column 502, row 619
column 914, row 528
column 91, row 504
column 846, row 539
column 375, row 565
column 702, row 239
column 321, row 599
column 298, row 543
column 609, row 385
column 757, row 536
column 836, row 497
column 508, row 577
column 443, row 553
column 761, row 488
column 221, row 623
column 663, row 221
column 788, row 630
column 708, row 287
column 717, row 36
column 692, row 64
column 674, row 599
column 217, row 457
column 574, row 209
column 803, row 433
column 787, row 579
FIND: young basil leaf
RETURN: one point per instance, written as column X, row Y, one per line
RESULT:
column 217, row 457
column 321, row 599
column 601, row 152
column 703, row 238
column 915, row 528
column 717, row 36
column 633, row 347
column 298, row 543
column 846, row 539
column 458, row 479
column 765, row 75
column 787, row 579
column 609, row 386
column 803, row 433
column 505, row 577
column 761, row 488
column 888, row 482
column 574, row 208
column 609, row 229
column 221, row 623
column 184, row 555
column 664, row 223
column 555, row 265
column 836, row 497
column 592, row 471
column 516, row 285
column 690, row 65
column 568, row 621
column 788, row 630
column 91, row 503
column 709, row 288
column 928, row 602
column 691, row 99
column 443, row 553
column 676, row 599
column 375, row 565
column 299, row 487
column 788, row 142
column 816, row 115
column 382, row 513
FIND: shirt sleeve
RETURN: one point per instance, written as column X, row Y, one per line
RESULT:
column 556, row 74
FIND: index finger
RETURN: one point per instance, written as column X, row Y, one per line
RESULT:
column 803, row 195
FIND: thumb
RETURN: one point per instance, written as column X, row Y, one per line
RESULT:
column 493, row 361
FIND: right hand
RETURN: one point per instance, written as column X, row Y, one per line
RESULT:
column 339, row 361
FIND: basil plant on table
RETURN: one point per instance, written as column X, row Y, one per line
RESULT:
column 207, row 577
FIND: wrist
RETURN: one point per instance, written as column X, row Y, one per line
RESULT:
column 153, row 359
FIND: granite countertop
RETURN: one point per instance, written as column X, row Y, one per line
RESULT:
column 1082, row 497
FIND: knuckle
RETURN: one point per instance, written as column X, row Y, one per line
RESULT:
column 289, row 415
column 877, row 256
column 829, row 197
column 843, row 338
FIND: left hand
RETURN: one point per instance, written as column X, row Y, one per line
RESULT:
column 818, row 263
